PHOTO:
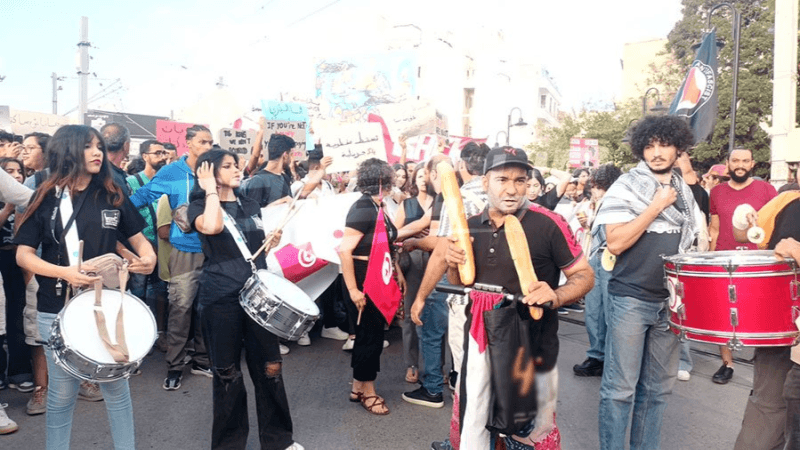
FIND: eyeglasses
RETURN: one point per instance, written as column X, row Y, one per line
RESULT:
column 158, row 153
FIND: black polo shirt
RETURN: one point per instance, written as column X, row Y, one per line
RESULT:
column 99, row 223
column 266, row 187
column 552, row 247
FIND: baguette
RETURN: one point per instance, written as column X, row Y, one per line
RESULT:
column 521, row 255
column 458, row 220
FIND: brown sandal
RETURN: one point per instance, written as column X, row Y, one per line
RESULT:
column 376, row 402
column 357, row 398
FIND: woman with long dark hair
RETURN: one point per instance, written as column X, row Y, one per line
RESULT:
column 227, row 329
column 375, row 182
column 80, row 177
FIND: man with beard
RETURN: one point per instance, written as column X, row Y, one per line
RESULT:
column 648, row 213
column 150, row 288
column 272, row 184
column 725, row 197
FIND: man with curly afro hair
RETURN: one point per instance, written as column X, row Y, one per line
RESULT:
column 647, row 213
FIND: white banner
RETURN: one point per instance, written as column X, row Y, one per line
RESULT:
column 24, row 122
column 349, row 144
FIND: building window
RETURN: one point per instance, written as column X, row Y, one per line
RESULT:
column 543, row 102
column 469, row 96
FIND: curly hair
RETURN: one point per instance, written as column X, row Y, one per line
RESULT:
column 667, row 130
column 474, row 156
column 605, row 175
column 374, row 175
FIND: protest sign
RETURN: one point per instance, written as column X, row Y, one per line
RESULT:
column 409, row 118
column 583, row 152
column 5, row 118
column 441, row 125
column 237, row 141
column 349, row 144
column 295, row 130
column 24, row 122
column 168, row 131
column 276, row 111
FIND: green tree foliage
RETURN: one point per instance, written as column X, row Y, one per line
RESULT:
column 755, row 73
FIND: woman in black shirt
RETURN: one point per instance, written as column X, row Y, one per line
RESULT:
column 80, row 173
column 227, row 329
column 374, row 181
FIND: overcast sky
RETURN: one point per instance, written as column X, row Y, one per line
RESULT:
column 168, row 54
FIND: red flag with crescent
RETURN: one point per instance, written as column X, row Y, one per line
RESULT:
column 379, row 283
column 298, row 262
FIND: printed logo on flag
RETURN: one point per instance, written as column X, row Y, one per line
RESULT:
column 387, row 268
column 298, row 262
column 697, row 89
column 306, row 258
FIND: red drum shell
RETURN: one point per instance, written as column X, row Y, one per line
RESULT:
column 766, row 302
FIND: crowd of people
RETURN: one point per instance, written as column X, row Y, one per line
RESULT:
column 189, row 226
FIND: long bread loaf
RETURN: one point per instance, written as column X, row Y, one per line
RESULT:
column 458, row 220
column 518, row 245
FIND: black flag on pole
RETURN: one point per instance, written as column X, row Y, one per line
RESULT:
column 696, row 100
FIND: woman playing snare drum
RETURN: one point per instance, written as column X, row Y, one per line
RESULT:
column 81, row 172
column 226, row 327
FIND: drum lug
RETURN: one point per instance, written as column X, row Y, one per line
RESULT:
column 794, row 288
column 732, row 293
column 734, row 317
column 734, row 344
column 682, row 312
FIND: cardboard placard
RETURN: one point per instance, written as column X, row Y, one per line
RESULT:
column 409, row 118
column 24, row 122
column 295, row 130
column 277, row 111
column 5, row 118
column 237, row 141
column 349, row 144
column 168, row 131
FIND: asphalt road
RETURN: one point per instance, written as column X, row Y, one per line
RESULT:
column 700, row 415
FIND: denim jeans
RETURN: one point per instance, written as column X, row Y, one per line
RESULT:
column 227, row 330
column 598, row 309
column 685, row 362
column 62, row 394
column 640, row 370
column 431, row 338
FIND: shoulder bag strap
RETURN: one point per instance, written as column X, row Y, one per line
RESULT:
column 230, row 225
column 69, row 235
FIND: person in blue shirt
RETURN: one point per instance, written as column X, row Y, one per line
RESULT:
column 186, row 260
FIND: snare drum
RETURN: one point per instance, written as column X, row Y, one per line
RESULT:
column 75, row 340
column 278, row 305
column 738, row 298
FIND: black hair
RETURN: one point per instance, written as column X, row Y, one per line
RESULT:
column 740, row 148
column 214, row 157
column 668, row 130
column 474, row 156
column 413, row 189
column 115, row 136
column 4, row 161
column 534, row 173
column 169, row 146
column 6, row 136
column 144, row 147
column 278, row 145
column 395, row 168
column 301, row 168
column 135, row 166
column 374, row 175
column 577, row 172
column 605, row 175
column 192, row 131
column 41, row 139
column 18, row 138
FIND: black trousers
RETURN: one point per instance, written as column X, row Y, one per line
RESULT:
column 368, row 345
column 227, row 329
column 19, row 354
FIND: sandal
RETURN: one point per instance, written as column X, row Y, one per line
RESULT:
column 376, row 402
column 357, row 398
column 412, row 375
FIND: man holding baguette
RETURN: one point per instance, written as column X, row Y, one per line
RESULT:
column 551, row 249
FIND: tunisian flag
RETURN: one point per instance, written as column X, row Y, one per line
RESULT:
column 379, row 284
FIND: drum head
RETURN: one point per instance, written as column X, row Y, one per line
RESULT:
column 723, row 258
column 79, row 328
column 285, row 290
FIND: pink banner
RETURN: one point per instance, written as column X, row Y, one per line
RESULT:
column 174, row 133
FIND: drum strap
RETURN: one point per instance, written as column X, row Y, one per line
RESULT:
column 118, row 351
column 68, row 215
column 230, row 225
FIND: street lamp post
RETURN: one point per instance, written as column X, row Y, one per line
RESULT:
column 497, row 138
column 520, row 123
column 658, row 108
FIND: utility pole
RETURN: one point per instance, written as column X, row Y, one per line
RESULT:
column 785, row 137
column 55, row 90
column 83, row 70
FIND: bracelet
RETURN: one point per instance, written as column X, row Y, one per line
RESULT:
column 212, row 193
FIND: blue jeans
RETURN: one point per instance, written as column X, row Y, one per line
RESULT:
column 431, row 337
column 686, row 362
column 598, row 310
column 640, row 370
column 62, row 394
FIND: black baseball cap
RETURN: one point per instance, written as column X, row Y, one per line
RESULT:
column 503, row 156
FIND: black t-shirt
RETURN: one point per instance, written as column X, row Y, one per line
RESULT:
column 413, row 210
column 7, row 230
column 549, row 199
column 266, row 187
column 99, row 223
column 224, row 269
column 552, row 247
column 438, row 202
column 701, row 197
column 362, row 217
column 787, row 224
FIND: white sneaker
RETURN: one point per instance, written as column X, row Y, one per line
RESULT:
column 304, row 340
column 348, row 344
column 684, row 375
column 295, row 446
column 334, row 333
column 7, row 425
column 284, row 349
column 385, row 344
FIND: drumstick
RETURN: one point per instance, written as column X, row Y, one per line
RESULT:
column 358, row 321
column 288, row 216
column 80, row 255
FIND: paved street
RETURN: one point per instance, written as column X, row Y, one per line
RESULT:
column 701, row 414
